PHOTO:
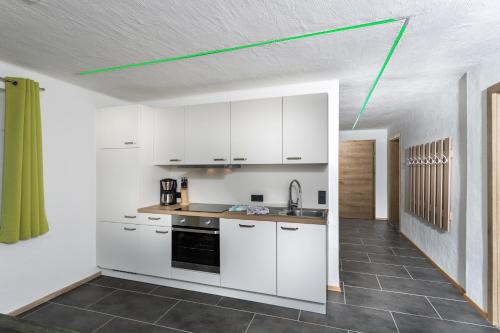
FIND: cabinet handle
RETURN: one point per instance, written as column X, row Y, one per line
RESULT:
column 239, row 159
column 154, row 218
column 294, row 158
column 129, row 229
column 247, row 225
column 130, row 216
column 289, row 229
column 161, row 232
column 175, row 160
column 129, row 142
column 219, row 159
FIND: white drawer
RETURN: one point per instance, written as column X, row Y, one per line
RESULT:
column 161, row 220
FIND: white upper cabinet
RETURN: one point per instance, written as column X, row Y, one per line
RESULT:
column 248, row 255
column 305, row 129
column 118, row 127
column 117, row 184
column 256, row 131
column 208, row 134
column 169, row 136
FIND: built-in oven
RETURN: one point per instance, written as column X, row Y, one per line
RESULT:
column 196, row 243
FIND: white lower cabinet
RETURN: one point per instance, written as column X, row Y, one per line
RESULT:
column 155, row 250
column 134, row 248
column 301, row 269
column 248, row 255
column 117, row 246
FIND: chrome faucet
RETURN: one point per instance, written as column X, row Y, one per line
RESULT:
column 293, row 205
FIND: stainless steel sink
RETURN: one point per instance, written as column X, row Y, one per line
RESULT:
column 305, row 213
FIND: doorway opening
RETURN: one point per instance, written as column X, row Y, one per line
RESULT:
column 493, row 124
column 394, row 180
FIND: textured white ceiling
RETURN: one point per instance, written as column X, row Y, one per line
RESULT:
column 444, row 38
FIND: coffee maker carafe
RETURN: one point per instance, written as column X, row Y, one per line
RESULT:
column 168, row 192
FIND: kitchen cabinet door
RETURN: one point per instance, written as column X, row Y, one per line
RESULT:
column 248, row 255
column 256, row 131
column 117, row 246
column 155, row 251
column 169, row 136
column 208, row 134
column 301, row 269
column 118, row 127
column 305, row 129
column 117, row 184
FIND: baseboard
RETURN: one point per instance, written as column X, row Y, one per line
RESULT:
column 483, row 313
column 477, row 307
column 455, row 283
column 382, row 218
column 335, row 288
column 53, row 295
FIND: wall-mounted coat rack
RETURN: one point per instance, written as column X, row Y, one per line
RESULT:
column 430, row 175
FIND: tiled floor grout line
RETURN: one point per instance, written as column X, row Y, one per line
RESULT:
column 392, row 276
column 100, row 299
column 101, row 326
column 433, row 307
column 165, row 313
column 152, row 290
column 35, row 311
column 383, row 263
column 394, row 320
column 116, row 316
column 404, row 293
column 220, row 300
column 298, row 317
column 407, row 271
column 378, row 281
column 250, row 323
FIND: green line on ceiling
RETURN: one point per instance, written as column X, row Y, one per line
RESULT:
column 389, row 55
column 239, row 47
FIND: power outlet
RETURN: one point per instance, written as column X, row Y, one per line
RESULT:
column 322, row 197
column 257, row 198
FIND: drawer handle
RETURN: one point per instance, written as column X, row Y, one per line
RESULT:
column 129, row 142
column 161, row 232
column 154, row 218
column 294, row 158
column 129, row 229
column 247, row 225
column 175, row 160
column 289, row 229
column 219, row 159
column 239, row 159
column 130, row 216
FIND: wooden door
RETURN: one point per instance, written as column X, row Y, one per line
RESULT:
column 357, row 179
column 394, row 181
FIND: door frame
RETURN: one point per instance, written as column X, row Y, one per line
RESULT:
column 397, row 138
column 493, row 151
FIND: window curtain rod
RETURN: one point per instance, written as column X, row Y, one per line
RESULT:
column 14, row 83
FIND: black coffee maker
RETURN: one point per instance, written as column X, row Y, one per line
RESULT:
column 168, row 191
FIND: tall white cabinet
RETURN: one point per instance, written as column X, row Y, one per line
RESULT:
column 305, row 129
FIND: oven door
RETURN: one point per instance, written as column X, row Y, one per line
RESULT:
column 196, row 249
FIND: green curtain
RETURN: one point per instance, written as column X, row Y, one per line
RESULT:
column 23, row 207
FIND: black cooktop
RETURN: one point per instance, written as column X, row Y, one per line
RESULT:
column 207, row 208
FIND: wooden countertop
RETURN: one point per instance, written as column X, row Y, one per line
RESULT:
column 171, row 210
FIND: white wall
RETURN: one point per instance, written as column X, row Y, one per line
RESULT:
column 479, row 79
column 274, row 180
column 35, row 268
column 380, row 137
column 236, row 185
column 445, row 116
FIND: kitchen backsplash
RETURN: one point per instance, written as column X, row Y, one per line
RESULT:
column 215, row 185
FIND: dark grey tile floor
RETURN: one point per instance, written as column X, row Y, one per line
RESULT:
column 388, row 286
